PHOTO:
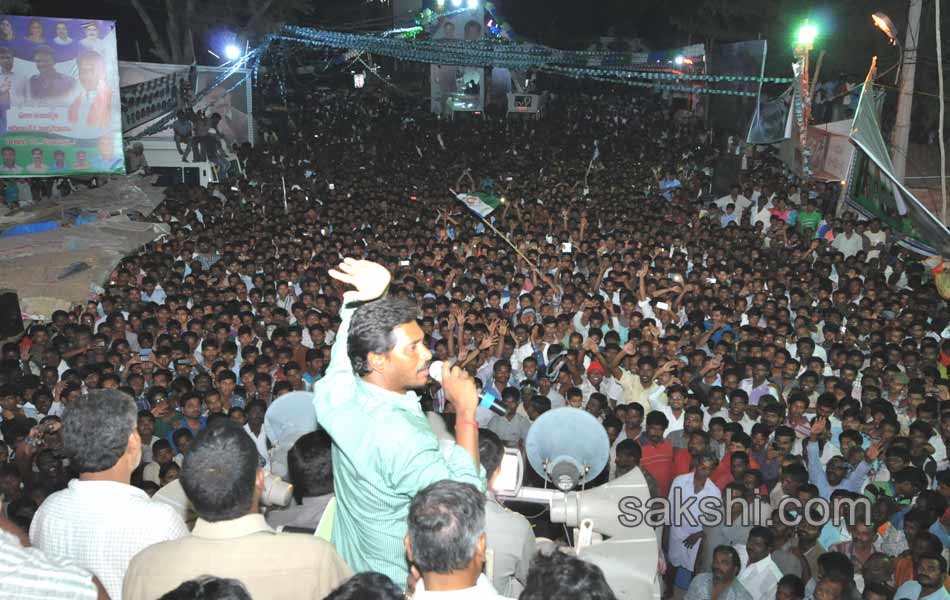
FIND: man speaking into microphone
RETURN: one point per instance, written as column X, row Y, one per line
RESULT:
column 384, row 450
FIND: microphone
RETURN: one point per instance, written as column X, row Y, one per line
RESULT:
column 487, row 399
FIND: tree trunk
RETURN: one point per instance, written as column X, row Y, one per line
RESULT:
column 249, row 27
column 173, row 32
column 189, row 41
column 159, row 49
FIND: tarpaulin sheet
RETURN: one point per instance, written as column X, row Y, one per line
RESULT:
column 875, row 191
column 33, row 264
column 30, row 228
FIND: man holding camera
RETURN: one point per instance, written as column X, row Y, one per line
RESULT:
column 384, row 450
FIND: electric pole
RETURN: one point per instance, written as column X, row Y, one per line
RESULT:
column 905, row 101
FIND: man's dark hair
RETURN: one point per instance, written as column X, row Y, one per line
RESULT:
column 96, row 429
column 21, row 512
column 490, row 451
column 367, row 586
column 310, row 465
column 912, row 475
column 837, row 567
column 446, row 520
column 219, row 472
column 372, row 329
column 209, row 587
column 560, row 576
column 628, row 449
column 763, row 533
column 181, row 434
column 736, row 561
column 541, row 404
column 937, row 556
column 796, row 472
column 880, row 589
column 793, row 583
column 657, row 418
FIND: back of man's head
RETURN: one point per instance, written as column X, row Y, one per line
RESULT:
column 490, row 451
column 446, row 524
column 560, row 576
column 97, row 429
column 208, row 587
column 372, row 329
column 628, row 449
column 836, row 566
column 220, row 471
column 367, row 586
column 310, row 465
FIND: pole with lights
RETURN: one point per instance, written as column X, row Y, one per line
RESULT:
column 804, row 42
column 907, row 72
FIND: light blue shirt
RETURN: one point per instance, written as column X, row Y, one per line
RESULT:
column 384, row 452
column 816, row 473
column 912, row 590
column 666, row 185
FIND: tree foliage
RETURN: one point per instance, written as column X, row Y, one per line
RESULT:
column 177, row 27
column 710, row 21
column 15, row 7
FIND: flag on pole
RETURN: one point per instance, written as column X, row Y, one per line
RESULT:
column 593, row 159
column 283, row 184
column 481, row 204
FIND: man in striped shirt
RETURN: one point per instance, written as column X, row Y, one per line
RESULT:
column 26, row 572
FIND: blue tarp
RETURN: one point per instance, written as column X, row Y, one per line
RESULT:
column 30, row 228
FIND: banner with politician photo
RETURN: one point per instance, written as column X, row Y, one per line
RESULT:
column 231, row 98
column 457, row 87
column 59, row 97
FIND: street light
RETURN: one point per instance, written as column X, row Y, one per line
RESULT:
column 232, row 52
column 884, row 23
column 905, row 75
column 807, row 34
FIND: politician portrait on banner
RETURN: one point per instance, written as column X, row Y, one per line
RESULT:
column 59, row 101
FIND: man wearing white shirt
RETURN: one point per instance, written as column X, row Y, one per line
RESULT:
column 595, row 381
column 761, row 575
column 684, row 536
column 849, row 242
column 446, row 542
column 716, row 399
column 734, row 197
column 738, row 401
column 673, row 408
column 761, row 212
column 100, row 521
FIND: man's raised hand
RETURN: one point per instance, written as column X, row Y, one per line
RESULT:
column 370, row 279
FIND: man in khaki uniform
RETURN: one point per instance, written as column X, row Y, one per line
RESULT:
column 511, row 540
column 223, row 480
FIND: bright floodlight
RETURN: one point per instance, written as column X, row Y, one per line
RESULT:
column 679, row 60
column 456, row 3
column 807, row 34
column 440, row 4
column 232, row 52
column 884, row 23
column 472, row 4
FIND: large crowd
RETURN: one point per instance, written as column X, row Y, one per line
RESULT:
column 758, row 343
